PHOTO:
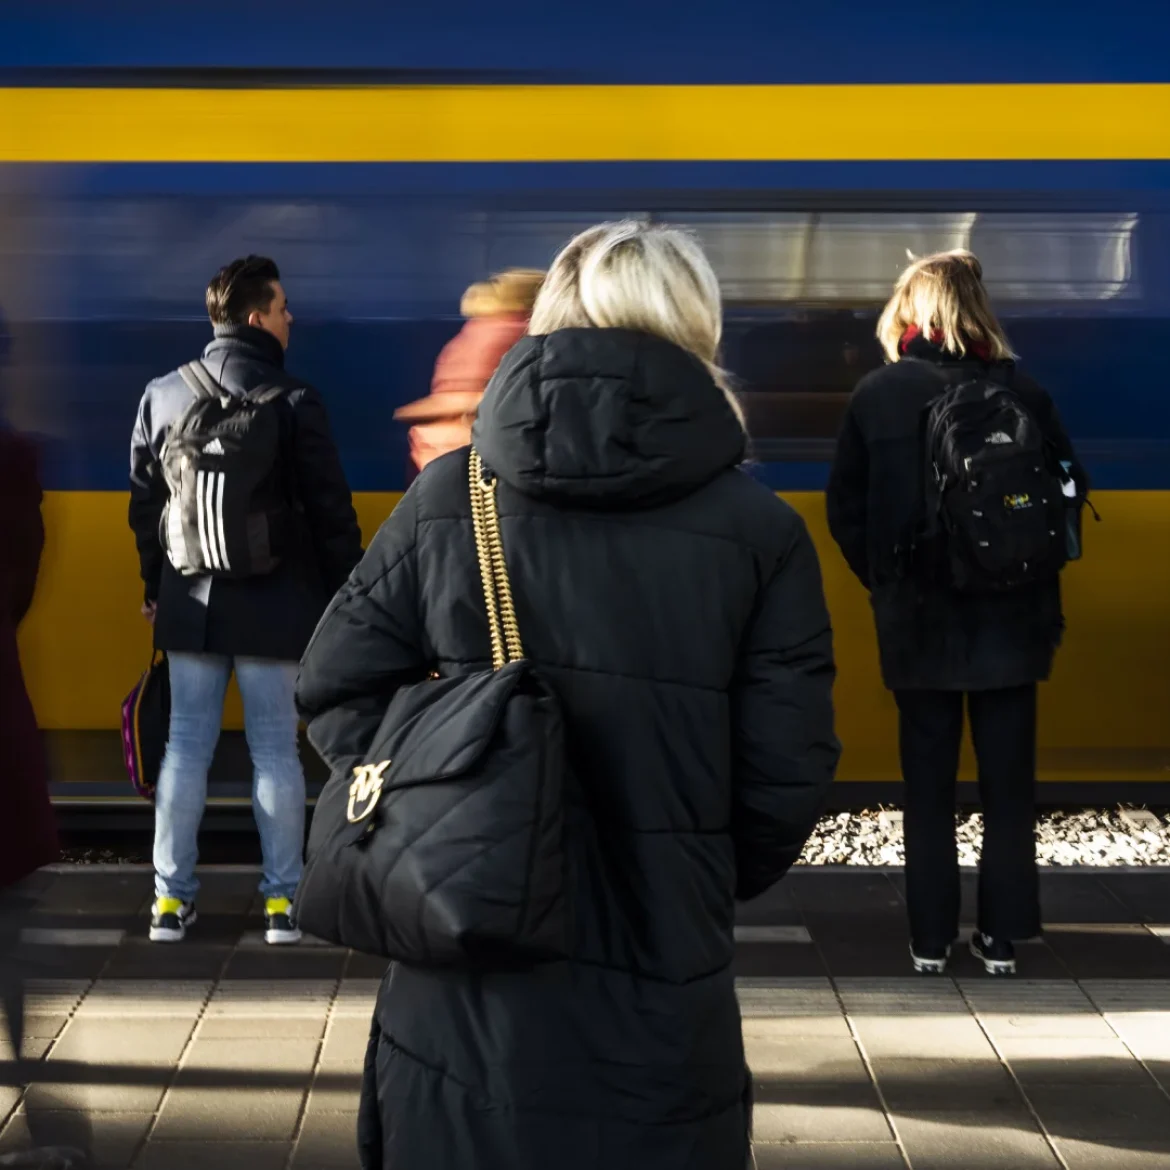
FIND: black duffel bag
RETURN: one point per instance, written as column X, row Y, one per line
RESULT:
column 446, row 844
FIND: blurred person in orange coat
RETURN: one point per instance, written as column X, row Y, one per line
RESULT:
column 497, row 312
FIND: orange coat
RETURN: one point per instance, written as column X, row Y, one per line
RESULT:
column 464, row 367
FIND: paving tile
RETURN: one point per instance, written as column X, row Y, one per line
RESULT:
column 293, row 1059
column 102, row 1040
column 44, row 1027
column 356, row 997
column 335, row 1090
column 993, row 1140
column 50, row 996
column 128, row 1064
column 199, row 1155
column 787, row 996
column 286, row 963
column 852, row 952
column 1142, row 996
column 266, row 1027
column 123, row 998
column 9, row 1099
column 851, row 894
column 234, row 1114
column 1146, row 894
column 914, row 1084
column 900, row 996
column 71, row 936
column 794, row 960
column 65, row 962
column 789, row 1113
column 806, row 1028
column 225, row 894
column 829, row 1156
column 110, row 1138
column 366, row 967
column 776, row 907
column 328, row 1141
column 1127, row 1155
column 1058, row 1008
column 106, row 1092
column 195, row 960
column 85, row 893
column 1057, row 1060
column 782, row 1060
column 1104, row 954
column 1080, row 897
column 1101, row 1112
column 34, row 1047
column 272, row 997
column 923, row 1037
column 345, row 1042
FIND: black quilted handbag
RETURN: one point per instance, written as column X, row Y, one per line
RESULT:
column 446, row 844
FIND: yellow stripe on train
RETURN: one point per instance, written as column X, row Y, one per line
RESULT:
column 575, row 123
column 1104, row 716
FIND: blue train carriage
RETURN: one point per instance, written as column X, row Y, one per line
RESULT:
column 387, row 162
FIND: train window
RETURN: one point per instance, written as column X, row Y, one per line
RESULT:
column 1057, row 258
column 836, row 257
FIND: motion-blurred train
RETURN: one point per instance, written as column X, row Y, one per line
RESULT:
column 388, row 158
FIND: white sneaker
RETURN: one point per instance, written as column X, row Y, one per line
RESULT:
column 169, row 920
column 280, row 929
column 930, row 962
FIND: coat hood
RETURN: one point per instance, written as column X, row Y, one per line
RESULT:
column 605, row 418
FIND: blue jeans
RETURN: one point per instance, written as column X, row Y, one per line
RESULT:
column 198, row 685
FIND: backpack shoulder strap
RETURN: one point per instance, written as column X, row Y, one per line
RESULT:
column 265, row 394
column 199, row 380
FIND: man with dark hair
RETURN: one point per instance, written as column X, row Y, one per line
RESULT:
column 239, row 561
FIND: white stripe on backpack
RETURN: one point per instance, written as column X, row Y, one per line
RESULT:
column 209, row 491
column 220, row 485
column 201, row 516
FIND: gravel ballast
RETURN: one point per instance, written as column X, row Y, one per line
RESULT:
column 1089, row 837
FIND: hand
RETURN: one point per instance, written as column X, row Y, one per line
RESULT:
column 149, row 609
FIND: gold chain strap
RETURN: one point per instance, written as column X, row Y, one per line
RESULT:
column 493, row 568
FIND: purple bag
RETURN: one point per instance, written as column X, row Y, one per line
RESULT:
column 146, row 717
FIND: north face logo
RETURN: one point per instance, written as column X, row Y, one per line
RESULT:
column 998, row 438
column 215, row 447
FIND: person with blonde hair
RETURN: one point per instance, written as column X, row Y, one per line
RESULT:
column 674, row 606
column 497, row 317
column 963, row 573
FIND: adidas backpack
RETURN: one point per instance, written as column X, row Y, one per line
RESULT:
column 229, row 513
column 995, row 513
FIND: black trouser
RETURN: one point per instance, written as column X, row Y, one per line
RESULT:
column 1003, row 729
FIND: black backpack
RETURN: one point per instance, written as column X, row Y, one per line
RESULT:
column 229, row 512
column 994, row 508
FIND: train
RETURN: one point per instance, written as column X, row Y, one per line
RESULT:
column 388, row 156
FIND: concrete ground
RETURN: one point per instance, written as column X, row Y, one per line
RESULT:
column 223, row 1053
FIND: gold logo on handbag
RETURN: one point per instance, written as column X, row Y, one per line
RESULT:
column 365, row 790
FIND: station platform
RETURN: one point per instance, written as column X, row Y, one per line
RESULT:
column 221, row 1052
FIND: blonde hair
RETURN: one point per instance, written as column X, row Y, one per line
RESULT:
column 639, row 276
column 942, row 296
column 513, row 291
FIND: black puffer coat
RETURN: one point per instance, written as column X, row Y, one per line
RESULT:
column 263, row 617
column 676, row 606
column 931, row 638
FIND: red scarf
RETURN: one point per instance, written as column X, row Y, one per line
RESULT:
column 979, row 348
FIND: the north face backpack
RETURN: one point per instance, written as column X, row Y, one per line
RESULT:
column 229, row 512
column 995, row 513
